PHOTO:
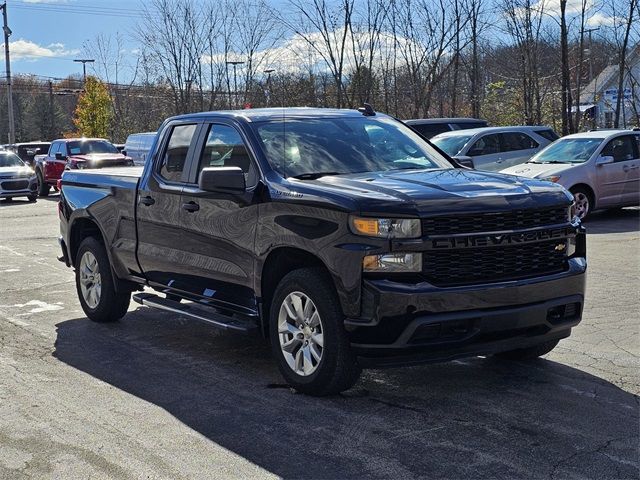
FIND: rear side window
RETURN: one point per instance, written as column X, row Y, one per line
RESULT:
column 513, row 141
column 467, row 125
column 548, row 134
column 175, row 154
column 487, row 145
column 622, row 148
column 431, row 129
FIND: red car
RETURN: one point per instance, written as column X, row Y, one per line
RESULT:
column 70, row 153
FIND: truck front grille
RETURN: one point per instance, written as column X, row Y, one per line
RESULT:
column 494, row 222
column 14, row 185
column 453, row 267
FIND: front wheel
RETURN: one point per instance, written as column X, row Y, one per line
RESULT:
column 529, row 353
column 96, row 286
column 307, row 335
column 583, row 202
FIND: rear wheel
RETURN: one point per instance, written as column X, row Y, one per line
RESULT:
column 43, row 188
column 583, row 202
column 529, row 353
column 96, row 286
column 307, row 335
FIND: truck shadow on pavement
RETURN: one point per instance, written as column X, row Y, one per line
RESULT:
column 472, row 418
column 613, row 221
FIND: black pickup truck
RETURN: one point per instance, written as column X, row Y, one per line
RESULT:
column 342, row 236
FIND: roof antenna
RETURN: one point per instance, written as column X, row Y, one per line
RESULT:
column 367, row 110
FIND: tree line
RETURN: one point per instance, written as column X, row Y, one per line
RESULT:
column 508, row 61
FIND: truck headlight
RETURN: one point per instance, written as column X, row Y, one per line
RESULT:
column 393, row 263
column 386, row 227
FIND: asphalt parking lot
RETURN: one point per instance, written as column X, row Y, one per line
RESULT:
column 158, row 396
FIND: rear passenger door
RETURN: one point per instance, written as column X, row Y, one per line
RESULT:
column 161, row 248
column 219, row 230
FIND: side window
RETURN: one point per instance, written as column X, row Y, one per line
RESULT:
column 486, row 145
column 431, row 129
column 63, row 149
column 513, row 141
column 225, row 148
column 175, row 154
column 53, row 149
column 548, row 134
column 622, row 149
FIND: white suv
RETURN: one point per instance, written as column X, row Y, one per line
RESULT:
column 601, row 168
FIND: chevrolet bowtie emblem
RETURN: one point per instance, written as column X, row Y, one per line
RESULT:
column 560, row 247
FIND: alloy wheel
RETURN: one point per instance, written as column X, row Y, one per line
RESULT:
column 581, row 204
column 301, row 334
column 90, row 279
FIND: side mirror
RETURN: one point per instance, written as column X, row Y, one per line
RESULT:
column 60, row 156
column 465, row 161
column 222, row 179
column 604, row 159
column 124, row 152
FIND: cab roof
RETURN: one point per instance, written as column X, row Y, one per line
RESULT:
column 267, row 114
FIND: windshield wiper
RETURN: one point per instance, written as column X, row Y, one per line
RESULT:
column 314, row 175
column 551, row 161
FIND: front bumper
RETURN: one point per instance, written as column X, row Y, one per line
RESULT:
column 29, row 189
column 416, row 323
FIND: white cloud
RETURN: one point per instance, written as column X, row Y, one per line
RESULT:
column 45, row 1
column 26, row 49
column 599, row 19
column 552, row 7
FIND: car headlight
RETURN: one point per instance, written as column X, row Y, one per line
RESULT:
column 386, row 227
column 393, row 263
column 552, row 178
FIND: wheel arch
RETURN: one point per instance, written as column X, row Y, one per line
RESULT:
column 81, row 228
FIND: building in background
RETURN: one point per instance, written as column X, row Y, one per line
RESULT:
column 598, row 99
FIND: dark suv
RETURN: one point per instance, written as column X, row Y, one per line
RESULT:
column 430, row 127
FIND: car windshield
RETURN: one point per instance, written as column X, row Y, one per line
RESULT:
column 10, row 160
column 451, row 144
column 85, row 147
column 567, row 150
column 310, row 148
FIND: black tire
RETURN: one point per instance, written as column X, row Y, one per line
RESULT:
column 529, row 353
column 579, row 193
column 337, row 369
column 32, row 198
column 43, row 188
column 112, row 304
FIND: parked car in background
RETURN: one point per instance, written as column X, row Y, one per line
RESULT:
column 17, row 179
column 75, row 153
column 138, row 146
column 494, row 148
column 119, row 146
column 601, row 168
column 28, row 150
column 429, row 127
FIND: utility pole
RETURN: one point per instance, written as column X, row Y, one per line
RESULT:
column 7, row 34
column 84, row 62
column 269, row 71
column 589, row 30
column 51, row 115
column 235, row 64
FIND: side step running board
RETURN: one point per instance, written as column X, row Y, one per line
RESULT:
column 195, row 311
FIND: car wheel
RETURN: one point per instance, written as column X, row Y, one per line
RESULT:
column 583, row 202
column 32, row 198
column 43, row 188
column 96, row 286
column 307, row 334
column 529, row 353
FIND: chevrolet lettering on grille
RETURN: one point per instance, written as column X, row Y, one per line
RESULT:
column 495, row 240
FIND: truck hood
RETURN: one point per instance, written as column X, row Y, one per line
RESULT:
column 538, row 170
column 427, row 191
column 12, row 172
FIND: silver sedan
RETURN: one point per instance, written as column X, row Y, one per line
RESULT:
column 17, row 179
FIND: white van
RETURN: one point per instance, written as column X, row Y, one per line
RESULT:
column 138, row 146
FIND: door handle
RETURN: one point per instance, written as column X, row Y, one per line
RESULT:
column 191, row 207
column 147, row 200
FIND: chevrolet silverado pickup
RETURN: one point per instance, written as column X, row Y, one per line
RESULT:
column 343, row 237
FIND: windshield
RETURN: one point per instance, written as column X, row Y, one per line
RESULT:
column 451, row 144
column 85, row 147
column 569, row 150
column 10, row 160
column 332, row 146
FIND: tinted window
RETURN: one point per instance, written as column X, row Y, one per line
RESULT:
column 10, row 160
column 175, row 154
column 431, row 129
column 86, row 147
column 548, row 134
column 467, row 125
column 225, row 148
column 451, row 144
column 622, row 149
column 513, row 141
column 345, row 145
column 487, row 145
